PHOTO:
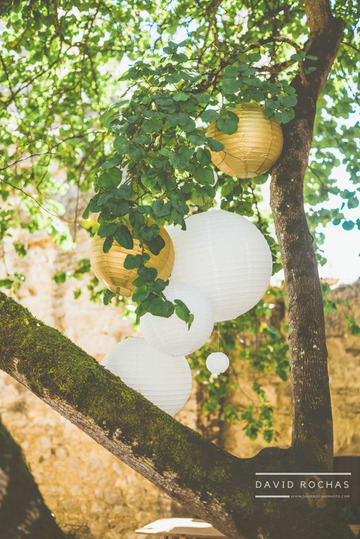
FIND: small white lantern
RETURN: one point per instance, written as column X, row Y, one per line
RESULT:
column 171, row 335
column 226, row 257
column 164, row 380
column 217, row 362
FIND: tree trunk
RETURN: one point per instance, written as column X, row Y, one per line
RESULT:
column 311, row 406
column 23, row 512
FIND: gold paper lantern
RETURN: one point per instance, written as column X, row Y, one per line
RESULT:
column 254, row 148
column 109, row 267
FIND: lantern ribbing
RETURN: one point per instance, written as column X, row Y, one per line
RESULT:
column 109, row 267
column 254, row 148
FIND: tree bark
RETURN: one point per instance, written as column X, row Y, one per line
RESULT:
column 213, row 484
column 311, row 406
column 23, row 512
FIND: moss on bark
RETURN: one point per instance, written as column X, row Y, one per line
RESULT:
column 209, row 481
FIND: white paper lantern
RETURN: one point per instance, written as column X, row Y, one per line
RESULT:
column 164, row 380
column 217, row 362
column 171, row 335
column 226, row 257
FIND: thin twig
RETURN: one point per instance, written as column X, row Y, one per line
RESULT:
column 34, row 199
column 49, row 151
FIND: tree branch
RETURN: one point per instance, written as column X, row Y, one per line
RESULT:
column 22, row 508
column 318, row 13
column 210, row 482
column 176, row 459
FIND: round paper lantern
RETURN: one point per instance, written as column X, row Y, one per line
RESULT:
column 217, row 362
column 171, row 335
column 164, row 380
column 254, row 148
column 226, row 257
column 109, row 267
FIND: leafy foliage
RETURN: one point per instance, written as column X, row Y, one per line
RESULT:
column 250, row 341
column 155, row 88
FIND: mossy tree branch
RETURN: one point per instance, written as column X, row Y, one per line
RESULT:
column 213, row 484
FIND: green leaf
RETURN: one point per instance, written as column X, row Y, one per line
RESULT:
column 77, row 293
column 133, row 261
column 298, row 57
column 180, row 57
column 214, row 145
column 288, row 100
column 59, row 277
column 268, row 435
column 203, row 156
column 227, row 126
column 277, row 266
column 20, row 249
column 159, row 307
column 123, row 237
column 148, row 232
column 152, row 126
column 113, row 162
column 161, row 209
column 197, row 139
column 140, row 294
column 202, row 98
column 158, row 286
column 148, row 274
column 353, row 202
column 108, row 297
column 136, row 218
column 204, row 176
column 123, row 191
column 142, row 139
column 181, row 96
column 155, row 245
column 149, row 181
column 348, row 225
column 86, row 213
column 94, row 205
column 119, row 207
column 139, row 282
column 189, row 125
column 183, row 312
column 121, row 145
column 136, row 152
column 284, row 117
column 210, row 115
column 106, row 229
column 231, row 85
column 108, row 243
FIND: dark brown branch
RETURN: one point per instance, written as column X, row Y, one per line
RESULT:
column 23, row 512
column 57, row 25
column 318, row 13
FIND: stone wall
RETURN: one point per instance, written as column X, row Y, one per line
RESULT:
column 91, row 493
